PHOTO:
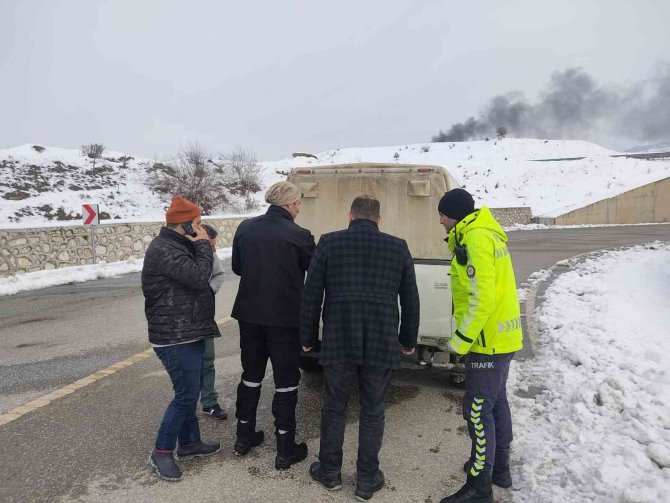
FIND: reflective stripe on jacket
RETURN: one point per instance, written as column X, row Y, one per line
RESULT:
column 486, row 306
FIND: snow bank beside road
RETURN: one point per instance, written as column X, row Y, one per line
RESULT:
column 598, row 427
column 77, row 274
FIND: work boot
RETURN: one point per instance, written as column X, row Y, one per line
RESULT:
column 501, row 474
column 288, row 452
column 247, row 437
column 197, row 450
column 330, row 482
column 476, row 490
column 165, row 465
column 366, row 492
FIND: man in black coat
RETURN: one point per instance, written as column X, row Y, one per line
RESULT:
column 271, row 254
column 179, row 307
column 363, row 273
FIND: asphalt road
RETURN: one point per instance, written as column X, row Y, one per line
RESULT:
column 93, row 444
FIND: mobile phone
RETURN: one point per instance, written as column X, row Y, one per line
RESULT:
column 188, row 228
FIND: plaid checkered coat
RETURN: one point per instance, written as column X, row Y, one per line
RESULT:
column 363, row 272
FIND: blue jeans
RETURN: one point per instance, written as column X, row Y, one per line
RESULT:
column 373, row 384
column 183, row 363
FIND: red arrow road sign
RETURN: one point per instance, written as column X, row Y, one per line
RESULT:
column 90, row 214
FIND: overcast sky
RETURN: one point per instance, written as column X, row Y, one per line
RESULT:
column 148, row 76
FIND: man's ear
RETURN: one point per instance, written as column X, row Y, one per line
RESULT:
column 351, row 216
column 378, row 219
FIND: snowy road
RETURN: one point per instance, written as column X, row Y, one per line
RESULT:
column 102, row 432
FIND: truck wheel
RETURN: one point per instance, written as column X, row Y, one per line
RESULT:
column 309, row 364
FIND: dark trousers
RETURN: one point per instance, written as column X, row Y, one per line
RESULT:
column 208, row 395
column 486, row 409
column 183, row 363
column 373, row 384
column 282, row 346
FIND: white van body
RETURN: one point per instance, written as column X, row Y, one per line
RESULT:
column 408, row 195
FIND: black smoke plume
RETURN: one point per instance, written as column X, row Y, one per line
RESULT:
column 574, row 106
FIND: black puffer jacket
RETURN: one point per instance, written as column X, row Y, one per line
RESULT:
column 178, row 302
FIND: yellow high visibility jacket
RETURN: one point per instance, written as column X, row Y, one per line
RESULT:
column 486, row 305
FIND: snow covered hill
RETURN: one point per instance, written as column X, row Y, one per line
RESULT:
column 509, row 172
column 48, row 187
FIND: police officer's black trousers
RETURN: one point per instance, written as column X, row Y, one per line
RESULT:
column 282, row 346
column 486, row 409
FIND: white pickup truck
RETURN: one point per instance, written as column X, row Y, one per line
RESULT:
column 409, row 195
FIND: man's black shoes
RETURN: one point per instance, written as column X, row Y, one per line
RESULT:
column 288, row 452
column 501, row 473
column 476, row 490
column 165, row 465
column 332, row 483
column 364, row 492
column 197, row 450
column 247, row 437
column 502, row 477
column 216, row 412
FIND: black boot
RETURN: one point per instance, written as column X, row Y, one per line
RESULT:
column 197, row 450
column 247, row 437
column 501, row 474
column 330, row 482
column 288, row 452
column 476, row 490
column 165, row 465
column 365, row 492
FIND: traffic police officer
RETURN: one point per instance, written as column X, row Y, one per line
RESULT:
column 488, row 332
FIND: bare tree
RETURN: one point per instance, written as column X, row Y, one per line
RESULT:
column 93, row 151
column 192, row 176
column 243, row 172
column 501, row 132
column 124, row 160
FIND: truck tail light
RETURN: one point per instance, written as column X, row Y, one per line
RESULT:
column 303, row 171
column 425, row 170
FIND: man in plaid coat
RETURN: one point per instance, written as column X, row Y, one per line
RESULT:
column 363, row 272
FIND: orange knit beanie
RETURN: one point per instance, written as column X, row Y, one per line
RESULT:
column 181, row 211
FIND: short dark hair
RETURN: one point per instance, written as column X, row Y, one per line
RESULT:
column 211, row 231
column 365, row 207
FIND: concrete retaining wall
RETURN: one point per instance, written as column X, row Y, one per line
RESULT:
column 510, row 216
column 28, row 250
column 646, row 204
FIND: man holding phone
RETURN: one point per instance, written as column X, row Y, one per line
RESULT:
column 179, row 307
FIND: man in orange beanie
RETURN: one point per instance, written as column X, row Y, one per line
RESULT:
column 182, row 211
column 179, row 306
